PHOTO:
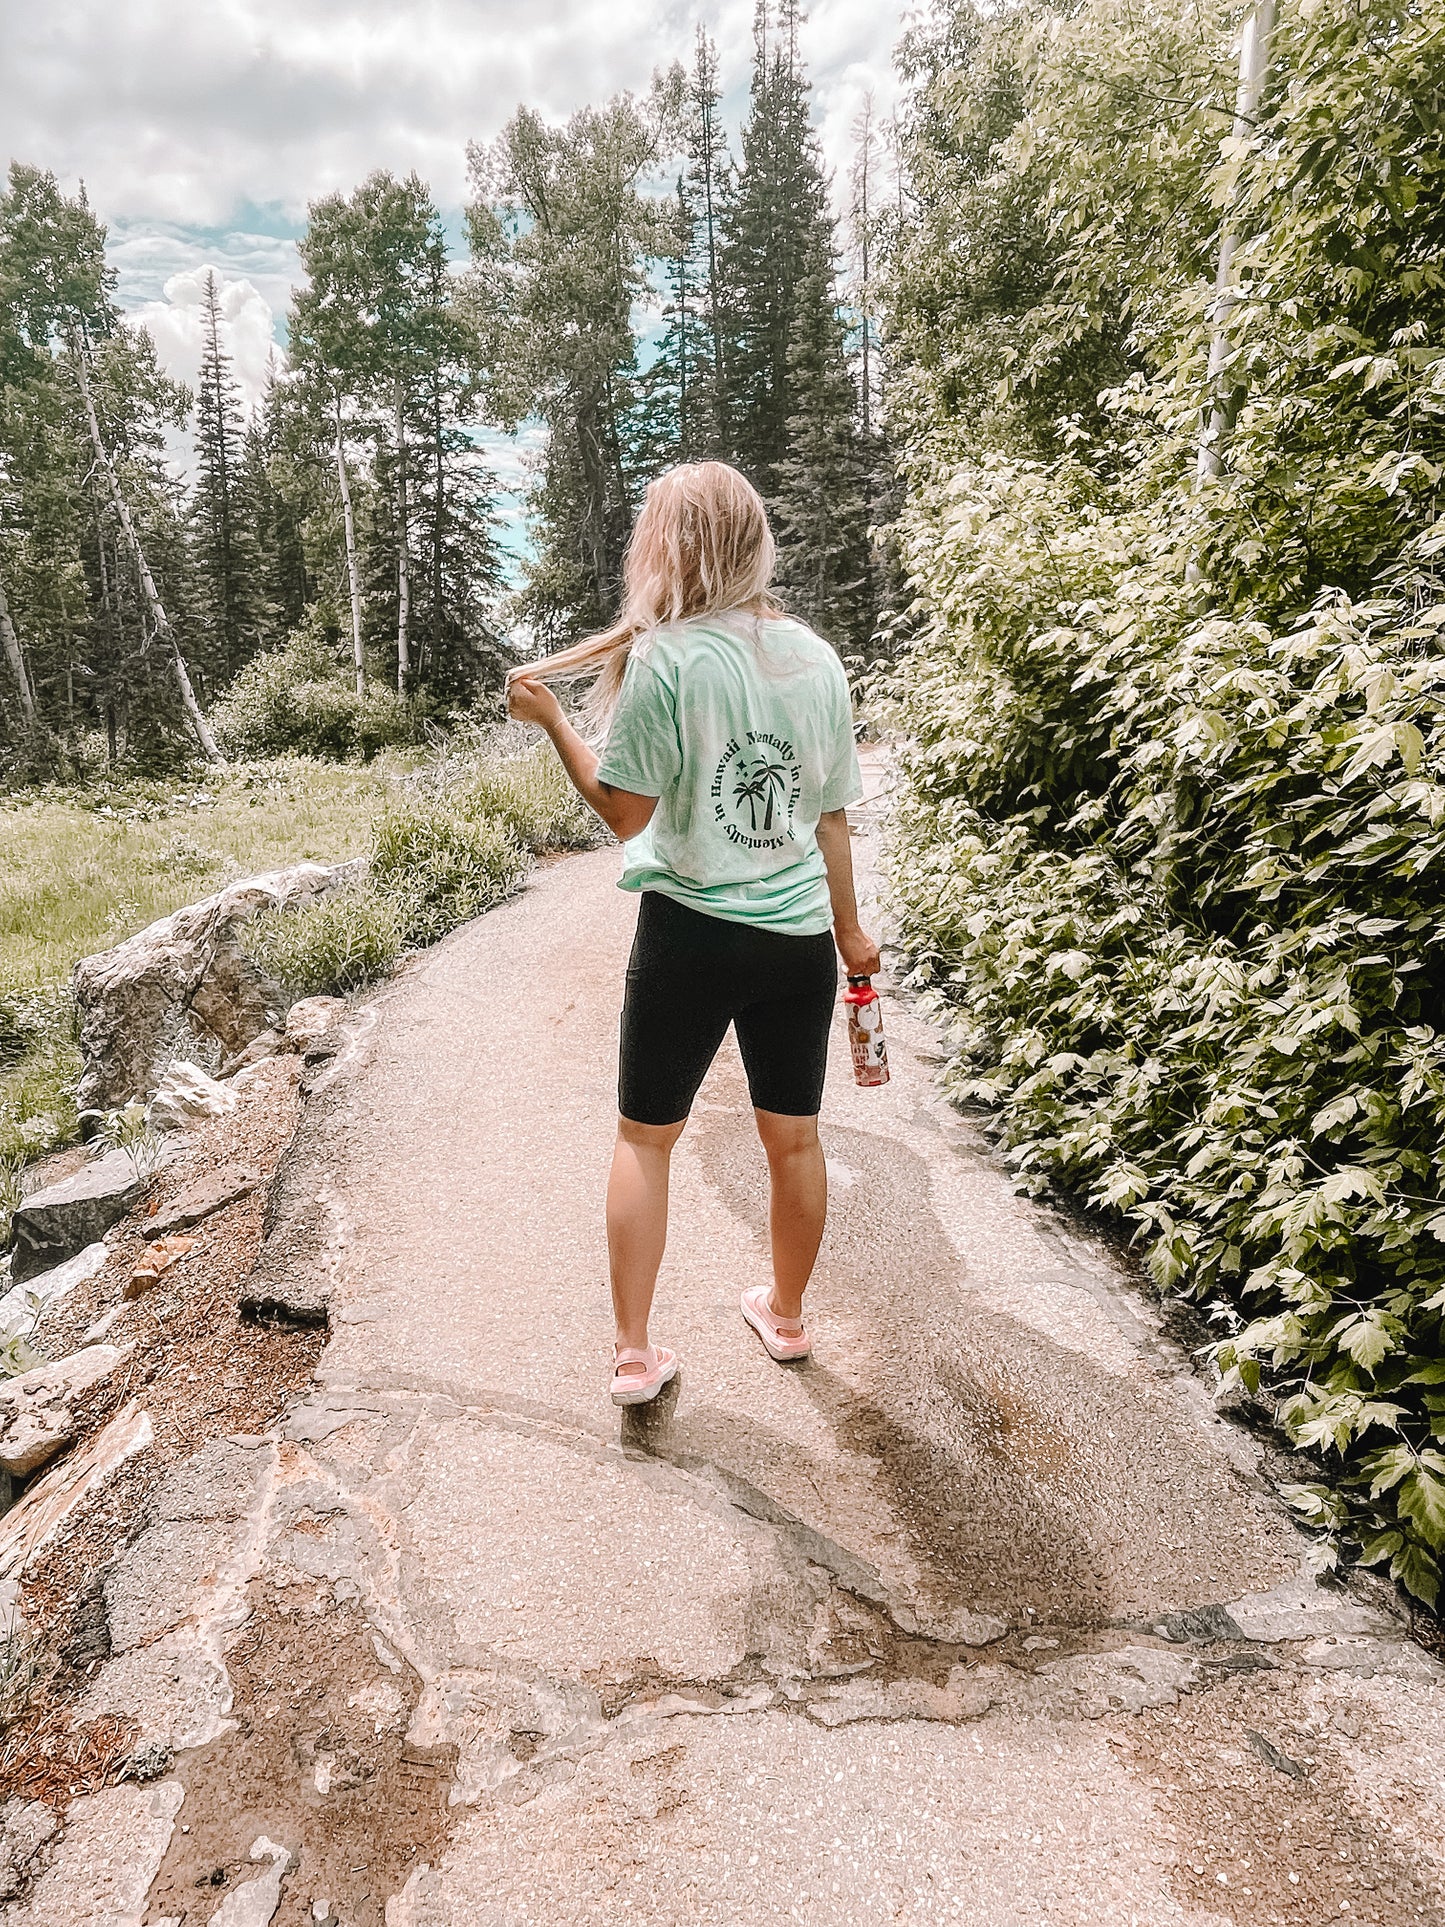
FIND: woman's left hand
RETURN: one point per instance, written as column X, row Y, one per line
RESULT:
column 532, row 702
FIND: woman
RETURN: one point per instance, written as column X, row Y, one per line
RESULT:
column 726, row 771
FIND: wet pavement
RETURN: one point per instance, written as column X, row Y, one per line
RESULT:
column 981, row 1614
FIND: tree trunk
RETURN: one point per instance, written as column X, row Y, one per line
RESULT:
column 16, row 661
column 1226, row 393
column 403, row 560
column 200, row 728
column 358, row 654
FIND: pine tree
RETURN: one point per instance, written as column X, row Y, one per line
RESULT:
column 776, row 234
column 225, row 544
column 678, row 410
column 275, row 490
column 791, row 403
column 709, row 178
column 819, row 504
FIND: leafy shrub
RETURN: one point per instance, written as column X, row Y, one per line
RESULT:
column 1199, row 971
column 39, row 1065
column 443, row 867
column 296, row 699
column 347, row 939
column 532, row 794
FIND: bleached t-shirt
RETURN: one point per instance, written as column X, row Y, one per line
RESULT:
column 743, row 730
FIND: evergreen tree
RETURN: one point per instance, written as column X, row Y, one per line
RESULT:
column 84, row 416
column 224, row 538
column 459, row 575
column 790, row 402
column 709, row 178
column 679, row 406
column 275, row 499
column 777, row 234
column 819, row 504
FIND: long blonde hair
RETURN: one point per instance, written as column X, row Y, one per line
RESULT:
column 701, row 546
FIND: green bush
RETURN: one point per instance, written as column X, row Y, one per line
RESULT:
column 1198, row 970
column 298, row 700
column 39, row 1065
column 347, row 939
column 443, row 867
column 532, row 794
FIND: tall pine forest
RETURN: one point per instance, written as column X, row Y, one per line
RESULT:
column 325, row 573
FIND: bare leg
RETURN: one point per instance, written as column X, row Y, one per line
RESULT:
column 637, row 1223
column 797, row 1209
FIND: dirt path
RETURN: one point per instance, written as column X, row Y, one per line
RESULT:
column 981, row 1616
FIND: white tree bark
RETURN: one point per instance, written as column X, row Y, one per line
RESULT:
column 403, row 559
column 358, row 654
column 1224, row 406
column 200, row 728
column 16, row 661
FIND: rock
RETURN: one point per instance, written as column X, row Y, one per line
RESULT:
column 259, row 1048
column 34, row 1520
column 187, row 974
column 27, row 1825
column 1303, row 1609
column 63, row 1219
column 166, row 1576
column 1367, row 1658
column 24, row 1305
column 36, row 1419
column 282, row 1290
column 309, row 1021
column 1196, row 1625
column 209, row 1193
column 255, row 1903
column 902, row 1699
column 1272, row 1756
column 157, row 1257
column 102, row 1867
column 968, row 1628
column 175, row 1690
column 1128, row 1679
column 186, row 1096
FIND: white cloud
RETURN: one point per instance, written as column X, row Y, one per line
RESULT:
column 181, row 113
column 177, row 326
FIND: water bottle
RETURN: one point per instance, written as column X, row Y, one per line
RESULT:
column 865, row 1032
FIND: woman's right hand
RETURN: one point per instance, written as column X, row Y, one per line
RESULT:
column 532, row 702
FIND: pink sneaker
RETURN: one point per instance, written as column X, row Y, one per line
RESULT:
column 783, row 1338
column 637, row 1388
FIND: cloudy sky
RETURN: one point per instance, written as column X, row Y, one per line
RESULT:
column 201, row 128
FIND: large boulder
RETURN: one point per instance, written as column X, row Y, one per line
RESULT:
column 36, row 1416
column 27, row 1304
column 56, row 1223
column 185, row 976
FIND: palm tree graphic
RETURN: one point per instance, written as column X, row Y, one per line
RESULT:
column 773, row 778
column 763, row 783
column 750, row 791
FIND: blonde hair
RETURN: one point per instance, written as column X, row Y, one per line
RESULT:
column 701, row 546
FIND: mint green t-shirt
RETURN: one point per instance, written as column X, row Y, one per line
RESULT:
column 743, row 730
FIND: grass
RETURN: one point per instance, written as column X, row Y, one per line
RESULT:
column 80, row 870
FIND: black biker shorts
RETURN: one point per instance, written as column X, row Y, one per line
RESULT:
column 689, row 977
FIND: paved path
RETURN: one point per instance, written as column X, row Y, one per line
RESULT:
column 981, row 1615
